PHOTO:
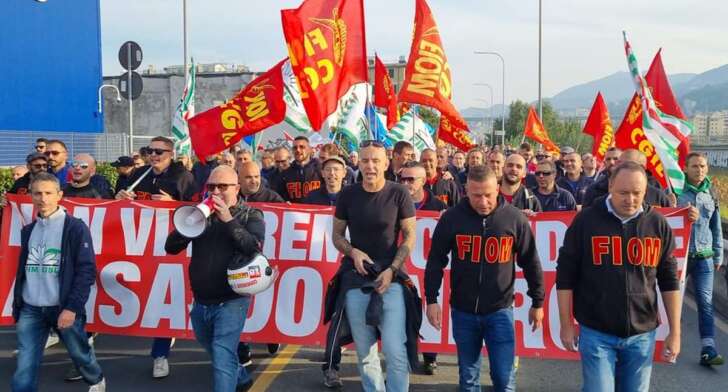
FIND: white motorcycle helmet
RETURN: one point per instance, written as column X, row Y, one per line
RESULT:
column 250, row 276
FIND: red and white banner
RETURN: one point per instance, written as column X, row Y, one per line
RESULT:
column 143, row 291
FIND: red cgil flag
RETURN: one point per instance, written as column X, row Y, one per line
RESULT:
column 257, row 106
column 451, row 134
column 630, row 133
column 599, row 126
column 427, row 79
column 327, row 48
column 535, row 131
column 384, row 92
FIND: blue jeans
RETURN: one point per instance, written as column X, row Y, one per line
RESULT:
column 394, row 337
column 161, row 347
column 701, row 275
column 604, row 355
column 32, row 329
column 496, row 330
column 218, row 328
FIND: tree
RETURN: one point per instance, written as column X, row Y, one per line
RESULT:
column 563, row 131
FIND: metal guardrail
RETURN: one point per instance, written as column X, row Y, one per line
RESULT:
column 105, row 147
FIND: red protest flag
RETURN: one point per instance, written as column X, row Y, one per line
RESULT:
column 449, row 133
column 327, row 48
column 257, row 106
column 384, row 92
column 427, row 79
column 630, row 133
column 599, row 126
column 535, row 131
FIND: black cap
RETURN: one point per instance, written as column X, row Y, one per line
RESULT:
column 123, row 162
column 34, row 156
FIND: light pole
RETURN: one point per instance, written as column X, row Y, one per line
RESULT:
column 492, row 131
column 503, row 92
column 118, row 94
column 485, row 127
column 540, row 103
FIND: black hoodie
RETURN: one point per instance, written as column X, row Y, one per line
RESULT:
column 483, row 249
column 295, row 183
column 654, row 196
column 612, row 269
column 175, row 180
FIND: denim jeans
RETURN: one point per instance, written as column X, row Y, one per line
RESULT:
column 701, row 275
column 394, row 337
column 496, row 329
column 604, row 355
column 218, row 328
column 161, row 347
column 32, row 329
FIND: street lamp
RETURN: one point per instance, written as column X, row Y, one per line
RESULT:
column 540, row 103
column 118, row 95
column 485, row 127
column 492, row 131
column 503, row 92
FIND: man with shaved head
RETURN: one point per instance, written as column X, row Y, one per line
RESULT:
column 495, row 162
column 251, row 189
column 83, row 168
column 511, row 188
column 654, row 195
column 445, row 189
column 218, row 313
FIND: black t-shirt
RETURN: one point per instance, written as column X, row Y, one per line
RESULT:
column 373, row 218
column 88, row 191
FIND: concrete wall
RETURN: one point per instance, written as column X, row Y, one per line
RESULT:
column 161, row 93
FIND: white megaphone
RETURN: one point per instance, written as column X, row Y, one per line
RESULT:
column 191, row 221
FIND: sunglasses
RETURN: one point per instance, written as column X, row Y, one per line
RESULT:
column 40, row 147
column 54, row 153
column 222, row 187
column 157, row 151
column 543, row 173
column 82, row 165
column 367, row 143
column 407, row 180
column 39, row 166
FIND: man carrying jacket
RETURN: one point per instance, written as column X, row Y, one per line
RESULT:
column 218, row 313
column 56, row 270
column 705, row 254
column 613, row 255
column 485, row 238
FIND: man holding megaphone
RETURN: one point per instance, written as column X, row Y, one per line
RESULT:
column 226, row 231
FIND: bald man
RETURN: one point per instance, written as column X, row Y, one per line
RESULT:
column 83, row 168
column 444, row 188
column 654, row 195
column 251, row 189
column 512, row 189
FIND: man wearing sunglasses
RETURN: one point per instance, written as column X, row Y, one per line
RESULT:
column 447, row 190
column 218, row 313
column 369, row 292
column 551, row 196
column 40, row 144
column 303, row 175
column 83, row 168
column 57, row 154
column 167, row 180
column 36, row 163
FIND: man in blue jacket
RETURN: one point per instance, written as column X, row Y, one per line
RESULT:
column 705, row 254
column 56, row 270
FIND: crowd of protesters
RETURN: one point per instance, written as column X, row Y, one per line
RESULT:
column 484, row 192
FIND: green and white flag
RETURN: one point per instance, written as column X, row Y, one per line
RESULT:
column 185, row 110
column 662, row 130
column 411, row 128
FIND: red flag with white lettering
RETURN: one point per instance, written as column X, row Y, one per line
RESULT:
column 327, row 48
column 599, row 126
column 256, row 107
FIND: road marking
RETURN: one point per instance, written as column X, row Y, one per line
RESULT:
column 275, row 367
column 718, row 321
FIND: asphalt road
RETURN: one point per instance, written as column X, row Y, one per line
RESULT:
column 127, row 366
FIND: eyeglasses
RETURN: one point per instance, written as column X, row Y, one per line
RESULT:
column 157, row 151
column 367, row 143
column 39, row 166
column 54, row 153
column 543, row 173
column 77, row 164
column 222, row 187
column 407, row 180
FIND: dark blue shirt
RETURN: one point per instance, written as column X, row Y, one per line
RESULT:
column 558, row 200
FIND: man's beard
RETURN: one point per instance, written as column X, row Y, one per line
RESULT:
column 507, row 179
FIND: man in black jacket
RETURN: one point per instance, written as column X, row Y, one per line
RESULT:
column 485, row 237
column 83, row 168
column 333, row 171
column 162, row 179
column 442, row 186
column 512, row 188
column 574, row 179
column 303, row 176
column 218, row 313
column 251, row 187
column 124, row 168
column 613, row 255
column 551, row 196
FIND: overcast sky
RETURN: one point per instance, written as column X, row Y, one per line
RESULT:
column 581, row 38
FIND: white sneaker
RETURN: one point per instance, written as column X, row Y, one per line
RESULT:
column 52, row 340
column 100, row 387
column 161, row 368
